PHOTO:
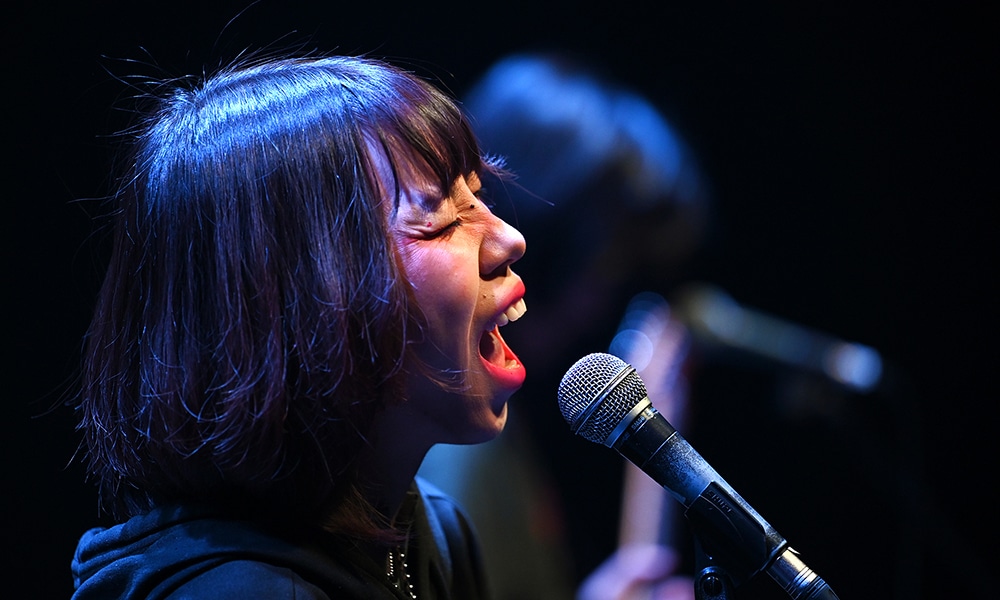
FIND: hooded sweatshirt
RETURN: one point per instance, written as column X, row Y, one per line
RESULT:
column 176, row 552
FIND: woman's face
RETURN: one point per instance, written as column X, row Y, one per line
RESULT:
column 456, row 255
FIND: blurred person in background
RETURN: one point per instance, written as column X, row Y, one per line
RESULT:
column 614, row 206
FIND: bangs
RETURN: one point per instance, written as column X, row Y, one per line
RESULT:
column 428, row 129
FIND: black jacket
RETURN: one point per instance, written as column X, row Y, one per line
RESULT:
column 185, row 552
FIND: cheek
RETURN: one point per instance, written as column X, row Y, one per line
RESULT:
column 443, row 291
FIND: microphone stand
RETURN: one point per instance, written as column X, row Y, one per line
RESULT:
column 712, row 585
column 712, row 581
column 731, row 547
column 723, row 559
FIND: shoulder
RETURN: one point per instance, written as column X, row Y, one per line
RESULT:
column 193, row 555
column 247, row 579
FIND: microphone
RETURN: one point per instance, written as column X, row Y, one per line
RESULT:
column 717, row 321
column 604, row 400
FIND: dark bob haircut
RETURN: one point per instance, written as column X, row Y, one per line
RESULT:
column 253, row 319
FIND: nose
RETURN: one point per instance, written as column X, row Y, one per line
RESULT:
column 503, row 246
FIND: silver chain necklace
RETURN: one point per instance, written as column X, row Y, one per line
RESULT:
column 395, row 570
column 395, row 560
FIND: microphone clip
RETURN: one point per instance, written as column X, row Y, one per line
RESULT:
column 730, row 545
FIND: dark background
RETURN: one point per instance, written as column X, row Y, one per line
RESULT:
column 853, row 154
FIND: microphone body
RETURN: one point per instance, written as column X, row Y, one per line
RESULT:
column 604, row 400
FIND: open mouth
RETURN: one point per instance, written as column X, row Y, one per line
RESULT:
column 492, row 346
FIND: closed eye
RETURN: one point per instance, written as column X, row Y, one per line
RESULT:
column 444, row 230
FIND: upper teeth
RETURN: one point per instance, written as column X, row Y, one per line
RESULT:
column 513, row 313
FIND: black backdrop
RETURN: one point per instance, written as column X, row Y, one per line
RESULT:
column 854, row 161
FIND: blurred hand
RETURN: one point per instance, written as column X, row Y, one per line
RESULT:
column 638, row 572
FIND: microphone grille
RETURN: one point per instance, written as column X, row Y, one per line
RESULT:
column 596, row 393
